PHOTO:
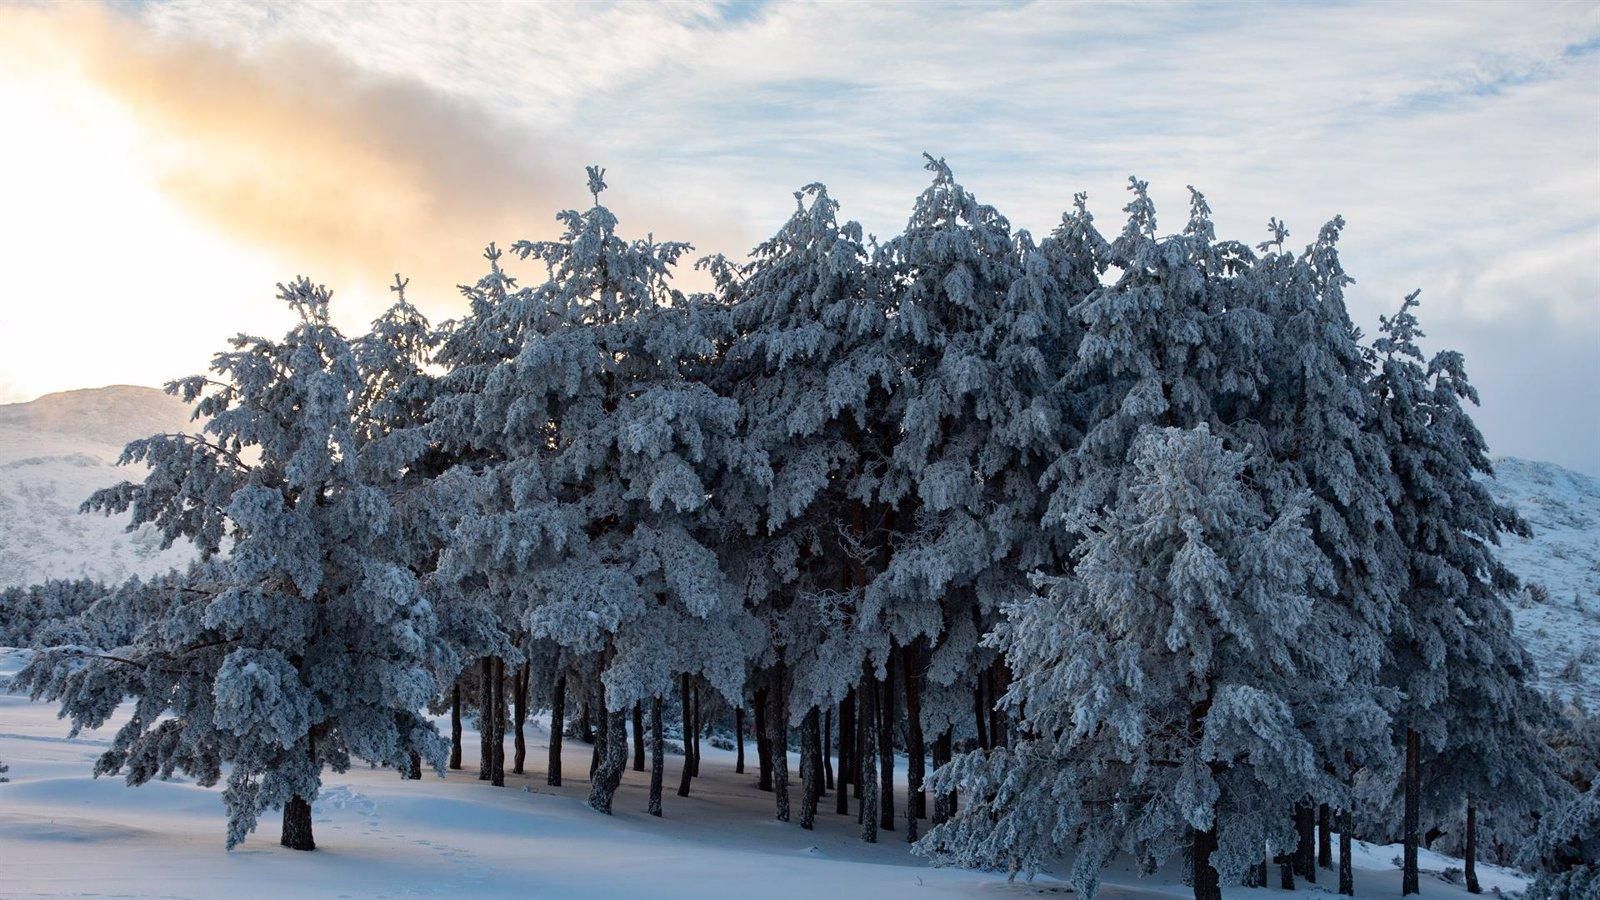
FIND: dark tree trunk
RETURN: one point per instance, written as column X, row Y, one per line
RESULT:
column 486, row 720
column 827, row 748
column 916, row 752
column 558, row 724
column 1305, row 851
column 638, row 736
column 867, row 730
column 1413, row 812
column 497, row 775
column 297, row 825
column 808, row 770
column 520, row 697
column 1472, row 849
column 414, row 766
column 614, row 735
column 943, row 804
column 1347, row 876
column 738, row 740
column 886, row 745
column 455, row 726
column 698, row 723
column 847, row 736
column 1324, row 837
column 1207, row 886
column 980, row 714
column 658, row 762
column 818, row 755
column 1286, row 871
column 778, row 738
column 585, row 723
column 763, row 745
column 598, row 748
column 997, row 718
column 1256, row 875
column 688, row 724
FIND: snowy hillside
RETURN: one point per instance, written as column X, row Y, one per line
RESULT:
column 1558, row 613
column 54, row 452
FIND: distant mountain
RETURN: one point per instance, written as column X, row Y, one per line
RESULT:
column 54, row 452
column 1558, row 610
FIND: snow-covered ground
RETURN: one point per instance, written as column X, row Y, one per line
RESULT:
column 64, row 833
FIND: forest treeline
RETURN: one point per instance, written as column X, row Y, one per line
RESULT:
column 1131, row 545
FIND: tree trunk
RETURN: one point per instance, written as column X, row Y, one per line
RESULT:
column 638, row 736
column 520, row 697
column 597, row 749
column 1285, row 871
column 1413, row 812
column 916, row 752
column 455, row 726
column 1472, row 849
column 688, row 724
column 818, row 755
column 1207, row 885
column 1305, row 852
column 763, row 746
column 738, row 740
column 658, row 762
column 486, row 720
column 585, row 723
column 297, row 825
column 614, row 735
column 778, row 737
column 867, row 730
column 980, row 714
column 558, row 724
column 847, row 736
column 414, row 766
column 808, row 769
column 997, row 718
column 1324, row 837
column 497, row 774
column 827, row 748
column 943, row 804
column 697, row 727
column 1347, row 877
column 886, row 745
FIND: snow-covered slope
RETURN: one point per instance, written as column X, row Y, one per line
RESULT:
column 1558, row 611
column 54, row 452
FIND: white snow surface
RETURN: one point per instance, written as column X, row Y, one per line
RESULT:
column 64, row 833
column 54, row 452
column 1563, row 556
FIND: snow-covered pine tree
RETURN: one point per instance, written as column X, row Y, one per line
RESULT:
column 1444, row 657
column 1566, row 851
column 1157, row 685
column 299, row 643
column 602, row 446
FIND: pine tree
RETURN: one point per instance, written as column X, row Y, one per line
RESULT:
column 300, row 642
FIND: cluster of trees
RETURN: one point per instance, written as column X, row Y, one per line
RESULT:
column 1130, row 545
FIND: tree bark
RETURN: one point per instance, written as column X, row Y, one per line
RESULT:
column 455, row 725
column 638, row 736
column 1413, row 812
column 1347, row 877
column 1305, row 852
column 1324, row 837
column 738, row 740
column 658, row 762
column 1286, row 871
column 886, row 744
column 486, row 720
column 809, row 769
column 614, row 736
column 778, row 738
column 597, row 749
column 1207, row 884
column 847, row 712
column 916, row 751
column 497, row 775
column 867, row 731
column 558, row 724
column 297, row 825
column 763, row 746
column 1472, row 849
column 827, row 748
column 818, row 755
column 698, row 725
column 943, row 804
column 520, row 699
column 688, row 724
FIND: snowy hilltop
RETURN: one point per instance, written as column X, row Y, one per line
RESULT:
column 1558, row 611
column 54, row 452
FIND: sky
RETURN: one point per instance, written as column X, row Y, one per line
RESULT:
column 166, row 164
